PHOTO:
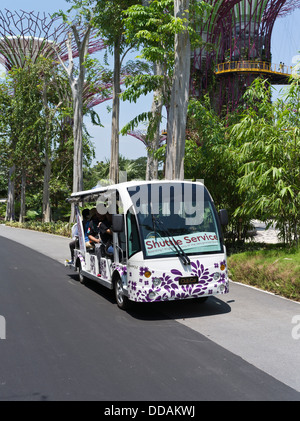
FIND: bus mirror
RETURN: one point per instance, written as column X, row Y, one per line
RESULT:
column 223, row 215
column 117, row 223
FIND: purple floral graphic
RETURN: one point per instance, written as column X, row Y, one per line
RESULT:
column 169, row 286
column 143, row 270
column 121, row 269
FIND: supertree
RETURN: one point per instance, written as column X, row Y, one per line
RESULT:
column 26, row 35
column 240, row 33
column 142, row 136
column 152, row 163
column 204, row 56
column 100, row 90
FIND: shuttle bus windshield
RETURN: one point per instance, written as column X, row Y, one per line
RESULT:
column 176, row 219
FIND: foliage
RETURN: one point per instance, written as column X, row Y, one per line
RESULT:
column 151, row 28
column 267, row 141
column 251, row 166
column 210, row 157
column 26, row 124
column 275, row 269
column 57, row 228
column 109, row 18
column 5, row 105
column 99, row 173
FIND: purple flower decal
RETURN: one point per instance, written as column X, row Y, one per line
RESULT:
column 170, row 288
column 201, row 272
column 177, row 274
column 168, row 283
column 143, row 271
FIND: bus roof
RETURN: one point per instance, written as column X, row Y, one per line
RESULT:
column 79, row 196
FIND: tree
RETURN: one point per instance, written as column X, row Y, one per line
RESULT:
column 268, row 140
column 50, row 79
column 81, row 28
column 24, row 129
column 165, row 41
column 210, row 157
column 109, row 20
column 77, row 84
column 180, row 94
column 5, row 120
column 150, row 27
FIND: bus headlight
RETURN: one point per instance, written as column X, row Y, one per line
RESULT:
column 156, row 282
column 152, row 295
column 222, row 288
column 216, row 276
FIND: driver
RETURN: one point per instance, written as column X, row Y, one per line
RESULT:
column 106, row 232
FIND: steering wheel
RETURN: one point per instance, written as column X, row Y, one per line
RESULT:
column 153, row 234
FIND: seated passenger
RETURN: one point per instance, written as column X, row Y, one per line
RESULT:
column 74, row 243
column 85, row 228
column 93, row 228
column 93, row 234
column 106, row 232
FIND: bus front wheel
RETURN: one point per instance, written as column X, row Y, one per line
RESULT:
column 121, row 298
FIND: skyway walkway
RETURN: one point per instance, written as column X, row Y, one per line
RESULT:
column 279, row 73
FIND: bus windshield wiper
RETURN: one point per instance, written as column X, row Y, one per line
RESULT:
column 180, row 252
column 154, row 224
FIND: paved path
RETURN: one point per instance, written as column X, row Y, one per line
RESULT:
column 53, row 246
column 265, row 236
column 252, row 324
column 67, row 341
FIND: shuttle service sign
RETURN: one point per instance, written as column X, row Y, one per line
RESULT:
column 196, row 241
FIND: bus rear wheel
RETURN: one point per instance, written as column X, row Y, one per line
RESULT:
column 122, row 300
column 81, row 277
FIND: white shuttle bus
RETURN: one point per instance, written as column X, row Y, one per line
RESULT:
column 167, row 242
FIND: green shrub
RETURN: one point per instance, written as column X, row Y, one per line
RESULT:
column 271, row 269
column 58, row 228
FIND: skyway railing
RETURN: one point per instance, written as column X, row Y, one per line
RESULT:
column 253, row 66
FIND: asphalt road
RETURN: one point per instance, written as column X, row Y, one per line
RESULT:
column 66, row 341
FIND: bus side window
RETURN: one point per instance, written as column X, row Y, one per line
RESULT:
column 132, row 235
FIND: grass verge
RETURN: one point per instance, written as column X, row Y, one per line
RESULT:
column 272, row 268
column 58, row 228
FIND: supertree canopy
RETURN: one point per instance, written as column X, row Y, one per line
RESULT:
column 26, row 35
column 204, row 56
column 240, row 34
column 142, row 136
column 251, row 23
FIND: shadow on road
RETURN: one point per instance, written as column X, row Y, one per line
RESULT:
column 179, row 309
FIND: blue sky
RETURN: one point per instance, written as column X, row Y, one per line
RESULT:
column 285, row 47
